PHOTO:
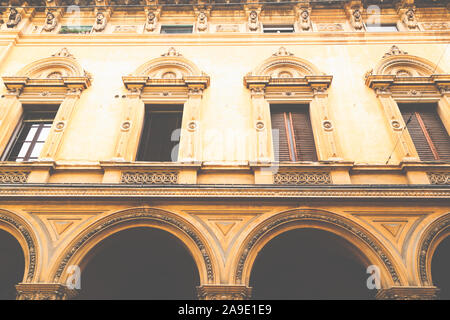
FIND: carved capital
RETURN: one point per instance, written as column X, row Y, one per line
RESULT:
column 224, row 292
column 408, row 293
column 257, row 91
column 44, row 291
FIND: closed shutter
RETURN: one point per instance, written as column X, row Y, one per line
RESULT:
column 295, row 137
column 427, row 131
column 156, row 140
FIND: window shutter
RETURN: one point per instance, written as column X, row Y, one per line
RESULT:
column 296, row 139
column 280, row 144
column 304, row 138
column 427, row 131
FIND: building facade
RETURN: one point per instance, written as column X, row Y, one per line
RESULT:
column 226, row 124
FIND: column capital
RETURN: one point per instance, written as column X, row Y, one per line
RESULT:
column 224, row 292
column 408, row 293
column 44, row 291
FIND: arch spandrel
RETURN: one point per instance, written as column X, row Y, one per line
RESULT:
column 23, row 233
column 364, row 244
column 80, row 249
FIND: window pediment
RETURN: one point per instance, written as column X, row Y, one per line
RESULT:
column 398, row 68
column 169, row 70
column 59, row 70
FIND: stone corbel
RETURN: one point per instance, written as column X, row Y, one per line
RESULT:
column 202, row 16
column 407, row 13
column 354, row 10
column 152, row 17
column 224, row 292
column 408, row 293
column 303, row 17
column 44, row 291
column 253, row 13
column 101, row 16
column 12, row 16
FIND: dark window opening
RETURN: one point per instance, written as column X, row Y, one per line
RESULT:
column 427, row 131
column 160, row 136
column 292, row 133
column 381, row 28
column 278, row 28
column 177, row 29
column 29, row 138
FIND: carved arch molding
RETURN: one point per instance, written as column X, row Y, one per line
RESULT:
column 136, row 215
column 433, row 235
column 301, row 216
column 15, row 223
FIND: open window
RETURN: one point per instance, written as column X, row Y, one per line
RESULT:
column 160, row 135
column 32, row 131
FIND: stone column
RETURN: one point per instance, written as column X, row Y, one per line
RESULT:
column 190, row 140
column 403, row 143
column 408, row 293
column 326, row 141
column 261, row 124
column 224, row 292
column 44, row 291
column 54, row 140
column 132, row 120
column 10, row 113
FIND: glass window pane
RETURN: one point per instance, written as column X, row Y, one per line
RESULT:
column 31, row 133
column 44, row 134
column 24, row 149
column 37, row 150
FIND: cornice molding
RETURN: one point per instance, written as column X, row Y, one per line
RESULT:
column 56, row 191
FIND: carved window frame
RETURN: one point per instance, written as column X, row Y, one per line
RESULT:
column 32, row 85
column 306, row 86
column 147, row 85
column 416, row 80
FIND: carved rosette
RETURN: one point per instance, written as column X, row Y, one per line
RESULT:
column 156, row 177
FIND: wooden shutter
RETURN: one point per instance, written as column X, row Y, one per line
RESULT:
column 427, row 131
column 296, row 139
column 156, row 144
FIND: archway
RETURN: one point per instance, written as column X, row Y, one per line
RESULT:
column 12, row 265
column 440, row 268
column 309, row 263
column 140, row 263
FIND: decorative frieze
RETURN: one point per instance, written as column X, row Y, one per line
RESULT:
column 330, row 27
column 408, row 293
column 44, row 291
column 224, row 292
column 302, row 178
column 442, row 178
column 435, row 26
column 14, row 176
column 155, row 177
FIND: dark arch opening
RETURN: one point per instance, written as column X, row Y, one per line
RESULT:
column 440, row 268
column 309, row 264
column 140, row 263
column 12, row 265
